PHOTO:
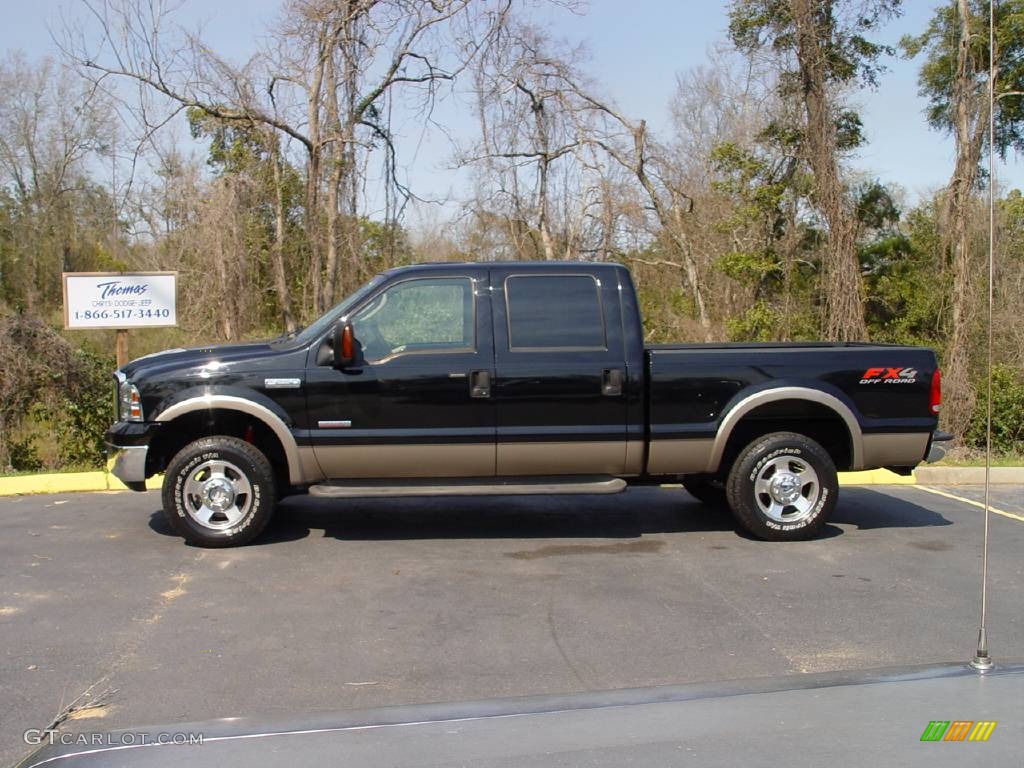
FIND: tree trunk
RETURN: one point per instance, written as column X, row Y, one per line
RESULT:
column 542, row 215
column 284, row 298
column 313, row 177
column 334, row 160
column 223, row 233
column 690, row 268
column 331, row 262
column 968, row 131
column 841, row 282
column 543, row 165
column 607, row 222
column 671, row 222
column 313, row 230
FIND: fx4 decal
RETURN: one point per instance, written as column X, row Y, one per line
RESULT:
column 889, row 376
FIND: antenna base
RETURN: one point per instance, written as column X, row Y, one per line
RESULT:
column 982, row 663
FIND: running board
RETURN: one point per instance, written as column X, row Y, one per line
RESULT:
column 509, row 486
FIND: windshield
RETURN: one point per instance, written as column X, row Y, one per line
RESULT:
column 319, row 326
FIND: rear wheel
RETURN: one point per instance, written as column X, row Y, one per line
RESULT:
column 218, row 492
column 782, row 487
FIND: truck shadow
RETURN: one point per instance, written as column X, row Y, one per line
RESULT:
column 868, row 508
column 632, row 514
column 636, row 512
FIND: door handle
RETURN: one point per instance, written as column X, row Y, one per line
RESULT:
column 611, row 382
column 480, row 384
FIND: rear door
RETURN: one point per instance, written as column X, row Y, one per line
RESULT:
column 560, row 374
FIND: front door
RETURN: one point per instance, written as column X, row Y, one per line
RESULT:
column 561, row 388
column 416, row 401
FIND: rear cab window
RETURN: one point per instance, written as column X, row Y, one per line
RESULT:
column 555, row 313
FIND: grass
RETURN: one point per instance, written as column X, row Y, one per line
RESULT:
column 1002, row 460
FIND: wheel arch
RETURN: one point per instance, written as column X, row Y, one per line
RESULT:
column 273, row 435
column 761, row 412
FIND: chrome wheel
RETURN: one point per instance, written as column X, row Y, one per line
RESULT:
column 217, row 494
column 787, row 489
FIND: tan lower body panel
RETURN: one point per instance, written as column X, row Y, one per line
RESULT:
column 898, row 449
column 424, row 460
column 678, row 457
column 634, row 458
column 575, row 458
column 311, row 472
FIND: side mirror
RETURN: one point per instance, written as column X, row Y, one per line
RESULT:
column 344, row 343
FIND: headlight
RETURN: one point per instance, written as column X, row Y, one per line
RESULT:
column 129, row 404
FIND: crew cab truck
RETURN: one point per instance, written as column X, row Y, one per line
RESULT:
column 512, row 378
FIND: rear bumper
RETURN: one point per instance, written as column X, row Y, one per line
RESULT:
column 936, row 447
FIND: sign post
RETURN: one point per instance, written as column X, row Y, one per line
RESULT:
column 119, row 301
column 121, row 347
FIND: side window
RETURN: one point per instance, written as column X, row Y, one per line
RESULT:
column 554, row 312
column 417, row 316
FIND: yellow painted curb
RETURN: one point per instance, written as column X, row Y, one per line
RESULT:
column 75, row 482
column 67, row 482
column 875, row 477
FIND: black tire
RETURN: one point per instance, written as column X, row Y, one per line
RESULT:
column 225, row 480
column 707, row 489
column 772, row 471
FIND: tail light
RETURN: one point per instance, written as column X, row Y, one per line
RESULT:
column 935, row 394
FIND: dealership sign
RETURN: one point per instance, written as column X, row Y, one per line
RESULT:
column 120, row 300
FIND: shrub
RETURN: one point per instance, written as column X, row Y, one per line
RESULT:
column 1007, row 412
column 23, row 455
column 48, row 387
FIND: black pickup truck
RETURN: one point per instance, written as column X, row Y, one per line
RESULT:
column 512, row 378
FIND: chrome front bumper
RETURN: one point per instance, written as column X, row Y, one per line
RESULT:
column 130, row 464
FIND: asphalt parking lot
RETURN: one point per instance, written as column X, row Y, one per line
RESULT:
column 376, row 602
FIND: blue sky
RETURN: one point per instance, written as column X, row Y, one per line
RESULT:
column 636, row 51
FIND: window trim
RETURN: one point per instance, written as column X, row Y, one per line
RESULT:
column 473, row 348
column 600, row 309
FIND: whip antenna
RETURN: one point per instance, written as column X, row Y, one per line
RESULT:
column 982, row 662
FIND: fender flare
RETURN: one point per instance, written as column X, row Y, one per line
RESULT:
column 271, row 420
column 775, row 394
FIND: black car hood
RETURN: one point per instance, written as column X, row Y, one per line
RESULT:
column 181, row 359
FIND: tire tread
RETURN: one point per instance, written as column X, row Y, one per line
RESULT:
column 739, row 497
column 263, row 475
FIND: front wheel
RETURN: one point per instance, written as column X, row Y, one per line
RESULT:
column 782, row 487
column 218, row 492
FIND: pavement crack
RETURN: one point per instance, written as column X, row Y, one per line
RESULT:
column 558, row 644
column 745, row 614
column 90, row 704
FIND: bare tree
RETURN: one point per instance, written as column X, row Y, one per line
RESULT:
column 627, row 143
column 51, row 126
column 955, row 79
column 821, row 48
column 536, row 110
column 842, row 286
column 324, row 83
column 529, row 142
column 969, row 110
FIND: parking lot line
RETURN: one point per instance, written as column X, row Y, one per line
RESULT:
column 972, row 502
